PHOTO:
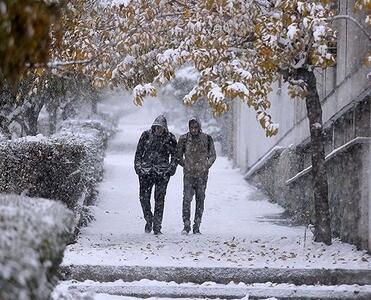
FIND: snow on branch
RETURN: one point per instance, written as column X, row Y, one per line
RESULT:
column 56, row 63
column 141, row 91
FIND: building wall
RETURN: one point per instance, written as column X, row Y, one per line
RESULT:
column 338, row 86
column 345, row 95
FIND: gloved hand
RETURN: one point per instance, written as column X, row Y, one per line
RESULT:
column 143, row 170
column 171, row 170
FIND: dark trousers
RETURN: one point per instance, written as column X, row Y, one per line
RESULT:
column 193, row 186
column 146, row 184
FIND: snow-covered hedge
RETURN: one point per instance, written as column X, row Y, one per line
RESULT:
column 66, row 166
column 42, row 167
column 92, row 136
column 33, row 236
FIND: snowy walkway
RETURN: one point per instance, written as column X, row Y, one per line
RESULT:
column 236, row 227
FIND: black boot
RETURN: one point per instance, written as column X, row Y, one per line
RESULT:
column 196, row 229
column 157, row 232
column 187, row 228
column 148, row 227
column 196, row 226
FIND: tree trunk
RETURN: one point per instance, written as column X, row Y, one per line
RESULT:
column 52, row 120
column 94, row 105
column 31, row 115
column 31, row 118
column 322, row 232
column 4, row 127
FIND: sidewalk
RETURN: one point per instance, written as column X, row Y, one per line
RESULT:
column 237, row 229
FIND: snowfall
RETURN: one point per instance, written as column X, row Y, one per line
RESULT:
column 240, row 227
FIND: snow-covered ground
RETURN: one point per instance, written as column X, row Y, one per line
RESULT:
column 238, row 228
column 115, row 289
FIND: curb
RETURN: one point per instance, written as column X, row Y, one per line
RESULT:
column 216, row 274
column 228, row 292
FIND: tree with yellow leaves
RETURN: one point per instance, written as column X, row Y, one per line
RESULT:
column 25, row 27
column 239, row 47
column 30, row 66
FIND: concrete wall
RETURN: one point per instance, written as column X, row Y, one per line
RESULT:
column 251, row 144
column 349, row 192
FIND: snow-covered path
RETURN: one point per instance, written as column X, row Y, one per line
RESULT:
column 237, row 230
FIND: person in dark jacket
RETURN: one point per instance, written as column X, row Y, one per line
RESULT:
column 155, row 162
column 196, row 154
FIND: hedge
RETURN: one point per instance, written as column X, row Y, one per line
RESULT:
column 33, row 235
column 34, row 231
column 66, row 166
column 92, row 136
column 42, row 167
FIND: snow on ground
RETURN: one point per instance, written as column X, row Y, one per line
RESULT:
column 238, row 228
column 114, row 297
column 115, row 289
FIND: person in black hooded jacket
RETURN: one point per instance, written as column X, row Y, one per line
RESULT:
column 155, row 162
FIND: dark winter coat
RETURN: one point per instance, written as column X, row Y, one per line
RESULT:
column 155, row 155
column 196, row 154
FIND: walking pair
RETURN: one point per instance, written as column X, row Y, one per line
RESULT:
column 156, row 159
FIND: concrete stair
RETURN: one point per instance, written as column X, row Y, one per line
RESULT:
column 215, row 283
column 217, row 274
column 228, row 292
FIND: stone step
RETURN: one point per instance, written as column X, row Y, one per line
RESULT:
column 216, row 274
column 216, row 291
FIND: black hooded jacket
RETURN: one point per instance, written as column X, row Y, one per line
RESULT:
column 155, row 155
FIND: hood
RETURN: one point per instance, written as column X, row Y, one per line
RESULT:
column 160, row 121
column 194, row 118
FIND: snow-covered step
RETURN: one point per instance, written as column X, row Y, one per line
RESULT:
column 146, row 289
column 216, row 274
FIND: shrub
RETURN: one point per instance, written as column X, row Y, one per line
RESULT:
column 33, row 235
column 66, row 166
column 41, row 167
column 93, row 136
